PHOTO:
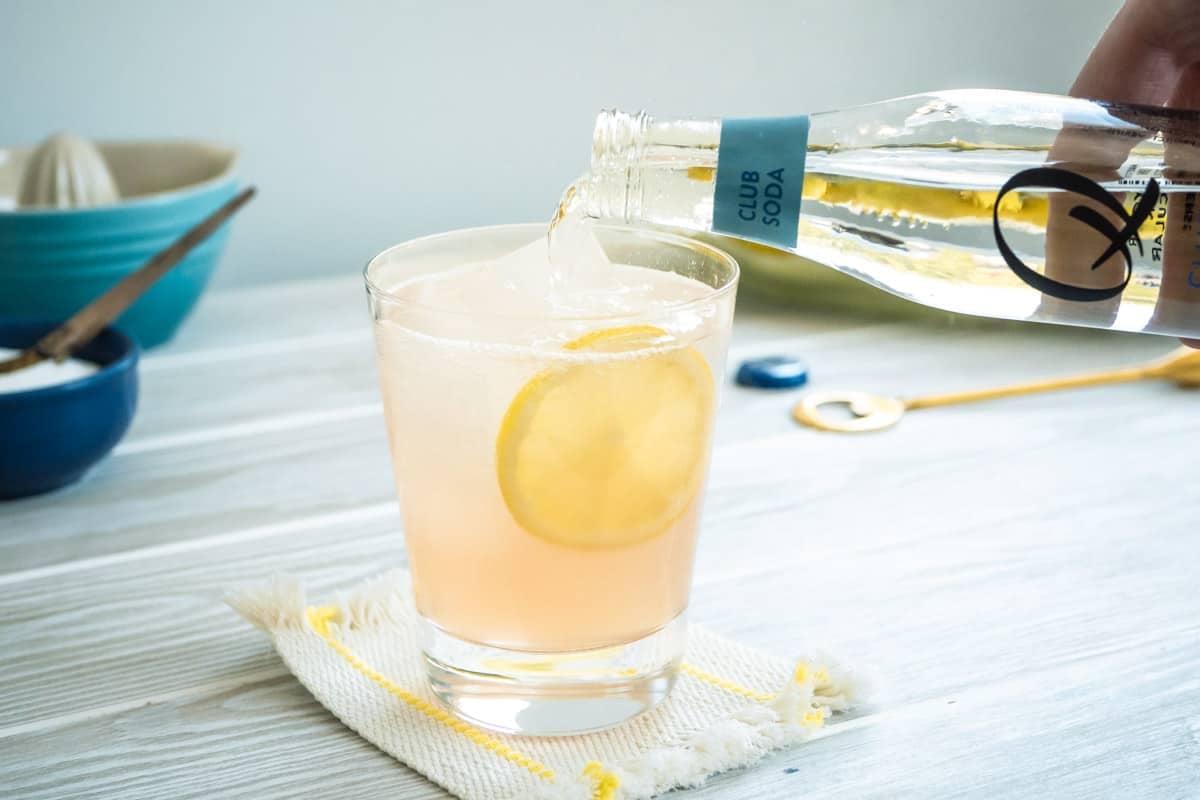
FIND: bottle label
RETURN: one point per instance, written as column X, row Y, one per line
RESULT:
column 760, row 178
column 1119, row 239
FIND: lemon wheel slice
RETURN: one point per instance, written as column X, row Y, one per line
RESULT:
column 610, row 452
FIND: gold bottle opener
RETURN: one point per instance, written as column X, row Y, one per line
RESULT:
column 875, row 412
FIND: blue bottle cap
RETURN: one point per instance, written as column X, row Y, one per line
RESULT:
column 773, row 372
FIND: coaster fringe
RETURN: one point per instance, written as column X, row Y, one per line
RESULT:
column 277, row 604
column 819, row 687
column 379, row 601
column 280, row 603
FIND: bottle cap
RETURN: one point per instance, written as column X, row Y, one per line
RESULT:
column 772, row 372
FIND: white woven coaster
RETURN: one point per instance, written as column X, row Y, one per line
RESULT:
column 360, row 657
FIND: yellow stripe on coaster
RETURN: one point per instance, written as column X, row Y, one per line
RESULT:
column 724, row 683
column 813, row 718
column 604, row 784
column 319, row 619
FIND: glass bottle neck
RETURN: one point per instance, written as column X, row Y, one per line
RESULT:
column 640, row 162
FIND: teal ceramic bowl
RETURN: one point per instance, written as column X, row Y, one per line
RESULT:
column 55, row 261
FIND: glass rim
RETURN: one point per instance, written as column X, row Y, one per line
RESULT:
column 713, row 294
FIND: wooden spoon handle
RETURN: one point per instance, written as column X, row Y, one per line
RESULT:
column 92, row 318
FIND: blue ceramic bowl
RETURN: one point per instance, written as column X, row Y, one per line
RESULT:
column 49, row 437
column 55, row 261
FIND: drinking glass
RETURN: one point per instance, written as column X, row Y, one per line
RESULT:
column 551, row 466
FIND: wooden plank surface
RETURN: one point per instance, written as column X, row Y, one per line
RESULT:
column 1019, row 578
column 262, row 738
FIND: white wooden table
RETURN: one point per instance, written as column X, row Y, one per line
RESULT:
column 1022, row 578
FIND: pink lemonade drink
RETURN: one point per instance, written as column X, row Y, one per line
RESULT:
column 550, row 435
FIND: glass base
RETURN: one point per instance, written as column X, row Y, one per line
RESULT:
column 553, row 694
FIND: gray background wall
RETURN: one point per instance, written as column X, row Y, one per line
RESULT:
column 365, row 123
